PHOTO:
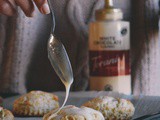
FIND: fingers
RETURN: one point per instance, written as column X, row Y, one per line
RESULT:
column 27, row 6
column 42, row 6
column 6, row 8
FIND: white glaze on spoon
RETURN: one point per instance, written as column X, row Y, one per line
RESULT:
column 60, row 61
column 61, row 64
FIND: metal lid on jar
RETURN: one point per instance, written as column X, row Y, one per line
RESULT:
column 109, row 12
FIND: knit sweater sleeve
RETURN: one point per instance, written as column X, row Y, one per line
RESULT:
column 24, row 62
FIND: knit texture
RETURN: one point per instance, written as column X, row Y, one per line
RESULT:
column 23, row 46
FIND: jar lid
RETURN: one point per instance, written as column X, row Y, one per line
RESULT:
column 109, row 12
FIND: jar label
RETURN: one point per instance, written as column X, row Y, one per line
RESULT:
column 109, row 63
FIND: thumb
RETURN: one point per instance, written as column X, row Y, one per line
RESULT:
column 42, row 6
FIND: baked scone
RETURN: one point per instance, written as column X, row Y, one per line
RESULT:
column 5, row 114
column 111, row 108
column 35, row 103
column 75, row 113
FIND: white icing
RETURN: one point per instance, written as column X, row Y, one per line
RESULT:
column 61, row 64
column 87, row 113
column 39, row 101
column 111, row 107
column 67, row 86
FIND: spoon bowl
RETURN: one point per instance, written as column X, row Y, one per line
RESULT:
column 59, row 60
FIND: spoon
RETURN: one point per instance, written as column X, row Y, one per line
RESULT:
column 59, row 60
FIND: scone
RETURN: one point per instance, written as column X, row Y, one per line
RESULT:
column 35, row 103
column 75, row 113
column 111, row 108
column 5, row 114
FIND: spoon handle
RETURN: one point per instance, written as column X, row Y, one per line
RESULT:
column 52, row 15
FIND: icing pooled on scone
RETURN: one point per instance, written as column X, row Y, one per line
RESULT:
column 76, row 113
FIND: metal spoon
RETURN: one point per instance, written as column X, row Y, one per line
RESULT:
column 58, row 56
column 59, row 60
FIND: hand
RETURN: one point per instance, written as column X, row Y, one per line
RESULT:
column 7, row 7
